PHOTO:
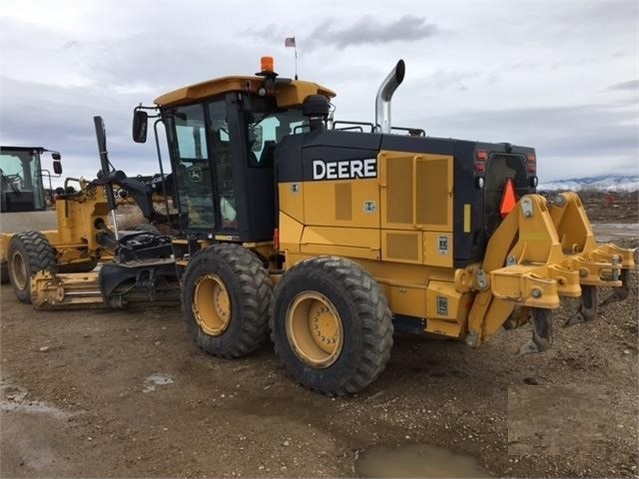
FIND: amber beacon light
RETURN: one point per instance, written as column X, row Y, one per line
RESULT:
column 266, row 64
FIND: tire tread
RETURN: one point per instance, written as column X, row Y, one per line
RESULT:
column 255, row 289
column 372, row 308
column 39, row 254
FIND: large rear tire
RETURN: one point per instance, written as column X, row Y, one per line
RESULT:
column 331, row 325
column 226, row 294
column 28, row 253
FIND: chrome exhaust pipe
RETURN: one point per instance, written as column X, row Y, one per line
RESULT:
column 384, row 95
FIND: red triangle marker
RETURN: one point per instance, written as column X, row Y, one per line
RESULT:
column 508, row 198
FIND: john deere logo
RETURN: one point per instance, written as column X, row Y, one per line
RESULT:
column 195, row 175
column 344, row 170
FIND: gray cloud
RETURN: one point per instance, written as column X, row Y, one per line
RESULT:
column 632, row 85
column 472, row 72
column 272, row 32
column 570, row 141
column 369, row 31
column 365, row 31
column 592, row 17
column 70, row 44
column 62, row 120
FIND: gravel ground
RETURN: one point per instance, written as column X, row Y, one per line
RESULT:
column 127, row 394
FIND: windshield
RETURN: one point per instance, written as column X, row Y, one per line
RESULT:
column 193, row 176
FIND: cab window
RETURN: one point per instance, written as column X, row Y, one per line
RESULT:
column 268, row 129
column 220, row 142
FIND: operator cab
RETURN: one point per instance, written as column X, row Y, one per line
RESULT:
column 222, row 159
column 21, row 186
column 221, row 137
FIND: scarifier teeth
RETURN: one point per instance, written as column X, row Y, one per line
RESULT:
column 529, row 348
column 587, row 309
column 542, row 333
column 619, row 294
column 576, row 318
column 616, row 296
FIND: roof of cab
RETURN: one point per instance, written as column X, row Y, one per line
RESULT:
column 23, row 148
column 288, row 93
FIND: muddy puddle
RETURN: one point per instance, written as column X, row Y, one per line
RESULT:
column 156, row 379
column 415, row 460
column 15, row 398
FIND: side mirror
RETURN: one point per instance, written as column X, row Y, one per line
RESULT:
column 57, row 164
column 140, row 125
column 56, row 156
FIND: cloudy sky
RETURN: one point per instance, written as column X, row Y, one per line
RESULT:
column 560, row 76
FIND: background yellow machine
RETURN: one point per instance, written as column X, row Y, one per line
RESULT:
column 24, row 202
column 330, row 236
column 74, row 235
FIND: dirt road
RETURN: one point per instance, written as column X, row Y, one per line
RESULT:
column 127, row 394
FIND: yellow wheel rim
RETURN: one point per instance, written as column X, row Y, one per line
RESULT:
column 19, row 271
column 314, row 329
column 212, row 305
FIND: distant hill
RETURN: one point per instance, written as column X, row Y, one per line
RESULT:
column 605, row 183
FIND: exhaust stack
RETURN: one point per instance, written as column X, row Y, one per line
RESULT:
column 384, row 95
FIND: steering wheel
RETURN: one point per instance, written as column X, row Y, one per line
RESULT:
column 11, row 181
column 14, row 178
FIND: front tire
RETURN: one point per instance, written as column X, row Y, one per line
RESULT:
column 28, row 253
column 331, row 325
column 226, row 294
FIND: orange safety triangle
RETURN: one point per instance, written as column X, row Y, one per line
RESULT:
column 508, row 198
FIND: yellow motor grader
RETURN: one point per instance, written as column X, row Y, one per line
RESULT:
column 331, row 235
column 24, row 202
column 76, row 237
